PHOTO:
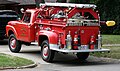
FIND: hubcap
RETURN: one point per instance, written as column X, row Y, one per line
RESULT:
column 45, row 51
column 13, row 43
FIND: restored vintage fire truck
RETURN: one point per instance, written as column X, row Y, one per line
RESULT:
column 58, row 27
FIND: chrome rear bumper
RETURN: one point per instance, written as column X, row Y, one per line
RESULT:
column 56, row 48
column 88, row 50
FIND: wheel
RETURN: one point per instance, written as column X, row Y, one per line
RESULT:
column 14, row 44
column 47, row 54
column 82, row 56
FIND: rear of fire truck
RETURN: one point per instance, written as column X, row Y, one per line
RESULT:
column 81, row 32
column 83, row 28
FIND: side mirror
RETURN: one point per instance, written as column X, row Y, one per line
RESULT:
column 110, row 23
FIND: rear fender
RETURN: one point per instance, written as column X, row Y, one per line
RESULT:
column 51, row 36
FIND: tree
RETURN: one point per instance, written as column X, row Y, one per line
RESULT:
column 78, row 1
column 38, row 2
column 62, row 1
column 110, row 10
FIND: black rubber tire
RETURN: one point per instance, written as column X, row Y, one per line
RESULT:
column 82, row 56
column 16, row 43
column 50, row 53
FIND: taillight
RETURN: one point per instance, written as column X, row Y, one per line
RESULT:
column 92, row 46
column 69, row 41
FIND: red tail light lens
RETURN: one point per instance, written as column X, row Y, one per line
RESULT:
column 92, row 46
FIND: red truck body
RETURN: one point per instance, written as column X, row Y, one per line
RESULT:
column 61, row 27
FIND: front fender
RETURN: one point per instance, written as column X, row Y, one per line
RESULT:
column 11, row 28
column 52, row 36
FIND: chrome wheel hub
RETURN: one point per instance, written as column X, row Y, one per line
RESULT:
column 45, row 51
column 13, row 43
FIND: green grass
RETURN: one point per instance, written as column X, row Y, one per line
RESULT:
column 111, row 39
column 12, row 61
column 114, row 50
column 114, row 53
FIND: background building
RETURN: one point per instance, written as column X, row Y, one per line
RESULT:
column 5, row 4
column 16, row 5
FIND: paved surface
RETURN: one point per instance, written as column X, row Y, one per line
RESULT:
column 61, row 62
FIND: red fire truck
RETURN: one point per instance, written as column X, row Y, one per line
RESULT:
column 58, row 27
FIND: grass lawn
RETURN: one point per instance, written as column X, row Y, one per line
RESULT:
column 12, row 61
column 114, row 53
column 111, row 39
column 114, row 50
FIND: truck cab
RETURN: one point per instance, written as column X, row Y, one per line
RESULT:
column 25, row 27
column 58, row 27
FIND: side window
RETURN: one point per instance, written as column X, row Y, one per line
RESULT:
column 27, row 17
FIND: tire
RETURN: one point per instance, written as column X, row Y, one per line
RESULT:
column 47, row 54
column 14, row 44
column 82, row 56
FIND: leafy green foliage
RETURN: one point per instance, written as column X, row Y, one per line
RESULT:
column 62, row 1
column 79, row 1
column 110, row 10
